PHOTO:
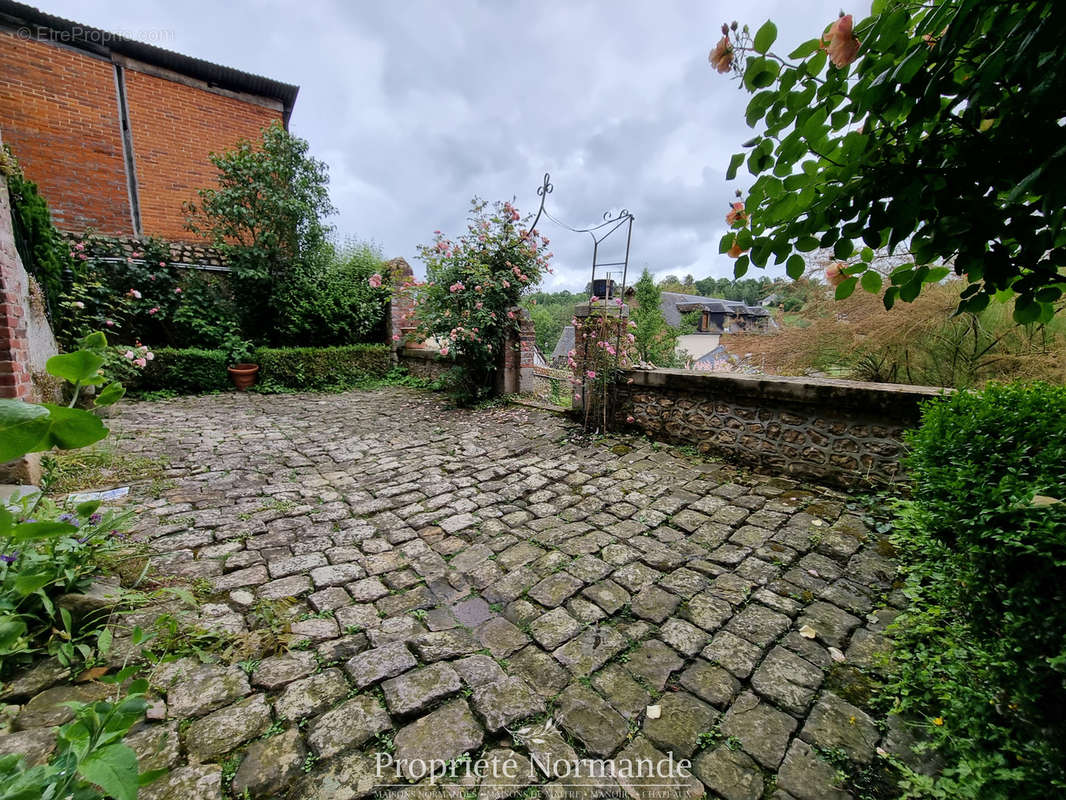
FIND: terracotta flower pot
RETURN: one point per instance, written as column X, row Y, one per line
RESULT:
column 243, row 375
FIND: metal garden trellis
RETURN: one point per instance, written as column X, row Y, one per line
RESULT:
column 611, row 224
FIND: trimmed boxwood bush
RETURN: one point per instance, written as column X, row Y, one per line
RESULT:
column 194, row 371
column 321, row 367
column 186, row 371
column 982, row 649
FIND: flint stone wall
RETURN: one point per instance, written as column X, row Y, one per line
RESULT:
column 843, row 433
column 424, row 363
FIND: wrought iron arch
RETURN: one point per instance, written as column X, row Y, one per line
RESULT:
column 612, row 222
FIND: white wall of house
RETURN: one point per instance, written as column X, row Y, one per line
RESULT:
column 697, row 345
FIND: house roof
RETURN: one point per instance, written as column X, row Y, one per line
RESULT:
column 565, row 343
column 674, row 304
column 104, row 44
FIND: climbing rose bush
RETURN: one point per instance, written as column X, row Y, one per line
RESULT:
column 603, row 347
column 469, row 302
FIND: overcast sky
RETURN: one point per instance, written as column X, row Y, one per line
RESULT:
column 418, row 105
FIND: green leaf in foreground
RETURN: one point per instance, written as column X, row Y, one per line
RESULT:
column 113, row 769
column 22, row 426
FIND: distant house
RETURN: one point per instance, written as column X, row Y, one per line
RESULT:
column 714, row 316
column 563, row 346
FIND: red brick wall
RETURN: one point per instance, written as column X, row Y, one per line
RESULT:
column 175, row 127
column 59, row 114
column 15, row 379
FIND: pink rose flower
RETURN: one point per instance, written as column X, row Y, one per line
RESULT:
column 840, row 42
column 736, row 213
column 591, row 374
column 153, row 310
column 375, row 281
column 109, row 323
column 721, row 56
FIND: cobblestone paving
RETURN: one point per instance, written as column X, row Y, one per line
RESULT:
column 400, row 579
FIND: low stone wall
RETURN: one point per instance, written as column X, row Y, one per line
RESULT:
column 424, row 363
column 843, row 433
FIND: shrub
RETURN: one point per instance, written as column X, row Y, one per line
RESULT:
column 330, row 301
column 321, row 367
column 207, row 314
column 134, row 297
column 982, row 650
column 186, row 371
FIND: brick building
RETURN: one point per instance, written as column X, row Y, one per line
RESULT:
column 116, row 132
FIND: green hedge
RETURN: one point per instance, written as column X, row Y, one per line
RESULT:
column 194, row 371
column 321, row 367
column 186, row 371
column 982, row 648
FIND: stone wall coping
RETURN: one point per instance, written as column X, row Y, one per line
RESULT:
column 828, row 392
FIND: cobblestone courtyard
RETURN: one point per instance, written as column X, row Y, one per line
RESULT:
column 398, row 578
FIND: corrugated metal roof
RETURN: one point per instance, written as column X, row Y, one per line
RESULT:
column 103, row 43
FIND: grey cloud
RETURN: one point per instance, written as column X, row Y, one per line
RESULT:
column 417, row 106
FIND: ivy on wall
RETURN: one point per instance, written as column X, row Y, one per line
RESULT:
column 41, row 247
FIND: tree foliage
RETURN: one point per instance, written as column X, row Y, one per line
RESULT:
column 266, row 215
column 935, row 127
column 551, row 312
column 655, row 339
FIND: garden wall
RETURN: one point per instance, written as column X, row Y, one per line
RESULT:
column 26, row 340
column 428, row 364
column 843, row 433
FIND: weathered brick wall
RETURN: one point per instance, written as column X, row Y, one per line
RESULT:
column 59, row 110
column 26, row 340
column 843, row 433
column 59, row 114
column 175, row 127
column 15, row 373
column 515, row 372
column 401, row 314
